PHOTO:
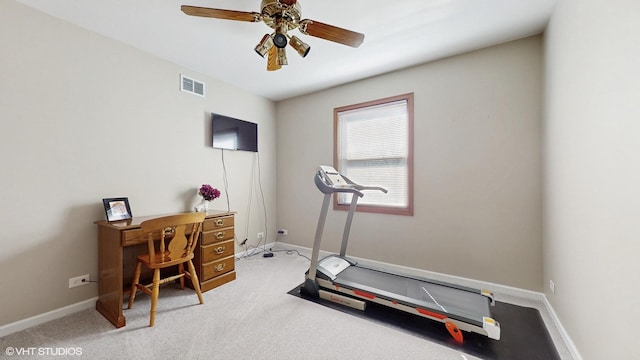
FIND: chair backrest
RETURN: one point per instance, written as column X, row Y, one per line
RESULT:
column 181, row 231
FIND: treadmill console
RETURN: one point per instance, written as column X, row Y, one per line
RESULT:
column 331, row 177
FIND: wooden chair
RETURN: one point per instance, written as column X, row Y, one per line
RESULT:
column 178, row 236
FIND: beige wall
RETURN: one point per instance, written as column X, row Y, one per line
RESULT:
column 477, row 167
column 83, row 117
column 592, row 174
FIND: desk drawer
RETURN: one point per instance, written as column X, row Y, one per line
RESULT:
column 217, row 281
column 133, row 237
column 217, row 268
column 210, row 237
column 137, row 236
column 217, row 251
column 217, row 223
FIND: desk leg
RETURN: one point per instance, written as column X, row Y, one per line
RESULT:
column 110, row 293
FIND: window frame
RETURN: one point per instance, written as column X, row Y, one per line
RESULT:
column 381, row 209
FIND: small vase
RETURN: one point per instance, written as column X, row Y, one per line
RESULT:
column 202, row 206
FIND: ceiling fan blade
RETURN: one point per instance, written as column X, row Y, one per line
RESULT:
column 272, row 61
column 331, row 33
column 221, row 13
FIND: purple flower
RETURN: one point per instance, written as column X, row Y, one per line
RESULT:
column 208, row 193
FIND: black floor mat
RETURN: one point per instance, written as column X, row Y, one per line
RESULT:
column 523, row 335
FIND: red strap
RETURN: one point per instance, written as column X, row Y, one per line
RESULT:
column 363, row 294
column 431, row 313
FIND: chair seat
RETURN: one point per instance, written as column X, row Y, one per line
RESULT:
column 159, row 264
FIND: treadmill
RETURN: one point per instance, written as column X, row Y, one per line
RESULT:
column 341, row 280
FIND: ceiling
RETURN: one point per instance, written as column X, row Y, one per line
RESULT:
column 398, row 34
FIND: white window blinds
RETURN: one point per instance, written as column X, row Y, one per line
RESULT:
column 373, row 149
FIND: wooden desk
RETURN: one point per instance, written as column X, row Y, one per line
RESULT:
column 120, row 242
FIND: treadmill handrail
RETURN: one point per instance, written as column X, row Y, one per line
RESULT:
column 350, row 187
column 328, row 189
column 364, row 187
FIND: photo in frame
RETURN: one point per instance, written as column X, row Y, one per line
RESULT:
column 117, row 208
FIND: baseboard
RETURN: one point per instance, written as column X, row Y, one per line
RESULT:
column 571, row 347
column 497, row 289
column 46, row 317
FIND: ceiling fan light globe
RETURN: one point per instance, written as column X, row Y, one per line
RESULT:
column 280, row 40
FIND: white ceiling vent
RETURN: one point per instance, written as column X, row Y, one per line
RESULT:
column 192, row 86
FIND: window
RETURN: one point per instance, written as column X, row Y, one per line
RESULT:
column 373, row 145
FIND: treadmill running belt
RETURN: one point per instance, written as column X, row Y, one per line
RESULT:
column 450, row 300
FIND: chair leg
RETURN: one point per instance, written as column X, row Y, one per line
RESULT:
column 195, row 281
column 154, row 295
column 134, row 288
column 181, row 271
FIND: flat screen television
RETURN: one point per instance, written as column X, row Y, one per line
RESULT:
column 234, row 134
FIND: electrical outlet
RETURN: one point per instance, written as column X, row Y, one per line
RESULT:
column 283, row 232
column 79, row 281
column 260, row 235
column 552, row 286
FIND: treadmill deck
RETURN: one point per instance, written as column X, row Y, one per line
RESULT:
column 460, row 303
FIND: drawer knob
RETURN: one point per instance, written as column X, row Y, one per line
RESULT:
column 220, row 234
column 219, row 222
column 220, row 249
column 219, row 267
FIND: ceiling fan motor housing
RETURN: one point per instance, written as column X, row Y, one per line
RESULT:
column 272, row 10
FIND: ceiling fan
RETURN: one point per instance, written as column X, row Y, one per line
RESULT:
column 282, row 16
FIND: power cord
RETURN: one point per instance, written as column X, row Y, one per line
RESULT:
column 264, row 207
column 256, row 250
column 225, row 182
column 271, row 251
column 256, row 162
column 290, row 252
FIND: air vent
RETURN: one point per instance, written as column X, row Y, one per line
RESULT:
column 192, row 86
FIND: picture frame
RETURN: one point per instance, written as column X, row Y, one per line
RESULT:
column 117, row 209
